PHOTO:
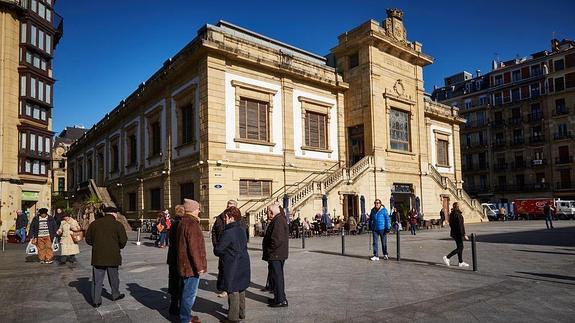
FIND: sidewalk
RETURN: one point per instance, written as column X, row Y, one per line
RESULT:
column 525, row 274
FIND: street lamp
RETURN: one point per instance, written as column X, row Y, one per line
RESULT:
column 121, row 194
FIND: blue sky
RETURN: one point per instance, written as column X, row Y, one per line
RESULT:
column 111, row 46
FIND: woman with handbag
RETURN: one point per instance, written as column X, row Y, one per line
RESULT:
column 70, row 234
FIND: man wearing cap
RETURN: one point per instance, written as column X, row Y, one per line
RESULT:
column 275, row 247
column 106, row 236
column 43, row 230
column 192, row 260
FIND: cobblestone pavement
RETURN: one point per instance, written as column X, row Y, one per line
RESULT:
column 525, row 275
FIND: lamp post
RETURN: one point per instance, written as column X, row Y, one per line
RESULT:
column 121, row 186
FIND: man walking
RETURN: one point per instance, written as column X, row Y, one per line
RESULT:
column 43, row 230
column 106, row 236
column 275, row 247
column 380, row 225
column 21, row 224
column 217, row 230
column 548, row 210
column 458, row 234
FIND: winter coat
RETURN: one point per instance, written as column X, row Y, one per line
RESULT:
column 218, row 229
column 106, row 236
column 413, row 219
column 67, row 244
column 456, row 224
column 232, row 249
column 35, row 227
column 275, row 245
column 379, row 219
column 191, row 248
column 352, row 223
column 172, row 259
column 21, row 221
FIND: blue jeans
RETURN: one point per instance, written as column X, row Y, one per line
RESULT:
column 164, row 238
column 189, row 293
column 383, row 236
column 21, row 233
column 549, row 221
column 413, row 227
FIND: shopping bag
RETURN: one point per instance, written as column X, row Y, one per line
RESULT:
column 77, row 236
column 31, row 248
column 55, row 245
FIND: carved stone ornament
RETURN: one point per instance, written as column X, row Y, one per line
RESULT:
column 399, row 88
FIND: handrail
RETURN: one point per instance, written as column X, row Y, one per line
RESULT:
column 359, row 167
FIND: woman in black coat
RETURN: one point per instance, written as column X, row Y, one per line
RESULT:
column 232, row 249
column 458, row 234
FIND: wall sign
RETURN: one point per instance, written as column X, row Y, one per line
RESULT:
column 218, row 186
column 402, row 188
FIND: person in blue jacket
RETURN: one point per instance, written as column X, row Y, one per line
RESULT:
column 380, row 225
column 232, row 249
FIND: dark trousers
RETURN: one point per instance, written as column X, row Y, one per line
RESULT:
column 175, row 284
column 98, row 273
column 276, row 268
column 458, row 250
column 549, row 221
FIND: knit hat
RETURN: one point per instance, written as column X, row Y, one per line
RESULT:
column 191, row 205
column 43, row 211
column 275, row 208
column 110, row 209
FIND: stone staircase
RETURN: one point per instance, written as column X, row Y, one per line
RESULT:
column 102, row 193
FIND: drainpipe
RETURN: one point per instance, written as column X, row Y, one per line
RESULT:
column 419, row 139
column 372, row 112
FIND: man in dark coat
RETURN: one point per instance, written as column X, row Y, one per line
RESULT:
column 43, row 230
column 106, row 236
column 232, row 249
column 217, row 230
column 21, row 224
column 458, row 234
column 275, row 248
column 58, row 217
column 174, row 280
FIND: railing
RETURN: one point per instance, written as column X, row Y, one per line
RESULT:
column 562, row 135
column 563, row 160
column 500, row 166
column 435, row 175
column 564, row 186
column 561, row 110
column 334, row 178
column 451, row 186
column 515, row 120
column 518, row 164
column 360, row 167
column 536, row 139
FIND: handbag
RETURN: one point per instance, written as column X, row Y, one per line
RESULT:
column 31, row 248
column 77, row 236
column 160, row 227
column 55, row 245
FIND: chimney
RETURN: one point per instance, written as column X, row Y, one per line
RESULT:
column 477, row 73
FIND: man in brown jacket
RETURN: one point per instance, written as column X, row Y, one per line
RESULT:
column 191, row 258
column 275, row 247
column 106, row 236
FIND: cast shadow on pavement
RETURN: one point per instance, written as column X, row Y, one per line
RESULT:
column 84, row 286
column 562, row 237
column 548, row 252
column 391, row 258
column 153, row 299
column 553, row 276
column 210, row 286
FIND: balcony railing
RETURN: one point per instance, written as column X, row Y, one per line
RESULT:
column 519, row 164
column 563, row 160
column 536, row 139
column 515, row 121
column 564, row 186
column 498, row 144
column 562, row 135
column 497, row 124
column 535, row 117
column 560, row 110
column 518, row 141
column 538, row 162
column 500, row 166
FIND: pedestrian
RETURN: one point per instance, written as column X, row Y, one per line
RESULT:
column 352, row 225
column 275, row 248
column 217, row 230
column 501, row 214
column 58, row 217
column 69, row 248
column 458, row 234
column 174, row 280
column 548, row 210
column 380, row 225
column 43, row 230
column 162, row 228
column 21, row 225
column 191, row 258
column 413, row 221
column 106, row 236
column 232, row 249
column 442, row 217
column 168, row 221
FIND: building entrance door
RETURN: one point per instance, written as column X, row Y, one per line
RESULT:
column 356, row 142
column 351, row 206
column 445, row 205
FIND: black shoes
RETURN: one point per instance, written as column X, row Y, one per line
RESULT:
column 97, row 305
column 119, row 297
column 282, row 304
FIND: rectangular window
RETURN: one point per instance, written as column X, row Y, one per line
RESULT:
column 48, row 94
column 23, row 91
column 47, row 143
column 49, row 15
column 61, row 184
column 156, row 140
column 559, row 65
column 41, row 39
column 27, row 166
column 535, row 70
column 40, row 144
column 115, row 158
column 132, row 202
column 23, row 35
column 353, row 60
column 42, row 10
column 498, row 80
column 253, row 120
column 187, row 131
column 33, row 35
column 516, row 75
column 186, row 191
column 23, row 137
column 155, row 199
column 255, row 188
column 559, row 84
column 133, row 150
column 399, row 130
column 36, row 167
column 32, row 142
column 570, row 80
column 316, row 130
column 442, row 152
column 49, row 44
column 515, row 96
column 535, row 92
column 41, row 90
column 33, row 87
column 42, row 168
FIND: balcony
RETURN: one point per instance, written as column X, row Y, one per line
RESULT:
column 535, row 117
column 518, row 141
column 537, row 187
column 564, row 186
column 476, row 145
column 498, row 144
column 474, row 124
column 536, row 139
column 498, row 124
column 560, row 111
column 482, row 166
column 35, row 154
column 538, row 162
column 563, row 160
column 515, row 121
column 562, row 135
column 518, row 164
column 500, row 166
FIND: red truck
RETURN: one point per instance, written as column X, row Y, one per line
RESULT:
column 531, row 208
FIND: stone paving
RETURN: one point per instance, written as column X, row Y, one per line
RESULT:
column 525, row 275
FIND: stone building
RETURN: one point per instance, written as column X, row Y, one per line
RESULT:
column 30, row 32
column 59, row 167
column 518, row 139
column 237, row 115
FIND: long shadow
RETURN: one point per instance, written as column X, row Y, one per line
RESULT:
column 554, row 276
column 540, row 280
column 548, row 252
column 562, row 237
column 152, row 299
column 210, row 286
column 366, row 258
column 83, row 287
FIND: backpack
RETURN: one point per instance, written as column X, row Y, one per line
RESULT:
column 168, row 223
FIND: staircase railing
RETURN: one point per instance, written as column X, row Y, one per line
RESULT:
column 358, row 168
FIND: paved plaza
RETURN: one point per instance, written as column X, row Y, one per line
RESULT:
column 525, row 274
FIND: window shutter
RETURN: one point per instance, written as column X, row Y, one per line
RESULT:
column 263, row 124
column 243, row 187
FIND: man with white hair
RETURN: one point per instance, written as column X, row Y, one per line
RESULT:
column 217, row 230
column 275, row 248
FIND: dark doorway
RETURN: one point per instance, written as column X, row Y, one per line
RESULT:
column 356, row 142
column 351, row 203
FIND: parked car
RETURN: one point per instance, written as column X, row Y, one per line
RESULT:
column 491, row 211
column 565, row 209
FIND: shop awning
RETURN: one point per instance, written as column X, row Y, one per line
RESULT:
column 30, row 196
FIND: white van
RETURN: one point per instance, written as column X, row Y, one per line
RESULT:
column 565, row 209
column 490, row 210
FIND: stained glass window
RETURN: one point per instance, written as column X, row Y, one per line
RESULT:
column 399, row 130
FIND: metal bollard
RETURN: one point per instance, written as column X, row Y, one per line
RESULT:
column 474, row 251
column 302, row 238
column 397, row 242
column 342, row 242
column 3, row 240
column 139, row 234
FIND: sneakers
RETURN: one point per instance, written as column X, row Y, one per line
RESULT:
column 446, row 261
column 42, row 262
column 223, row 294
column 49, row 262
column 385, row 257
column 463, row 264
column 374, row 258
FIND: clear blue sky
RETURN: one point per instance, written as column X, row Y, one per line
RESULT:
column 111, row 46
